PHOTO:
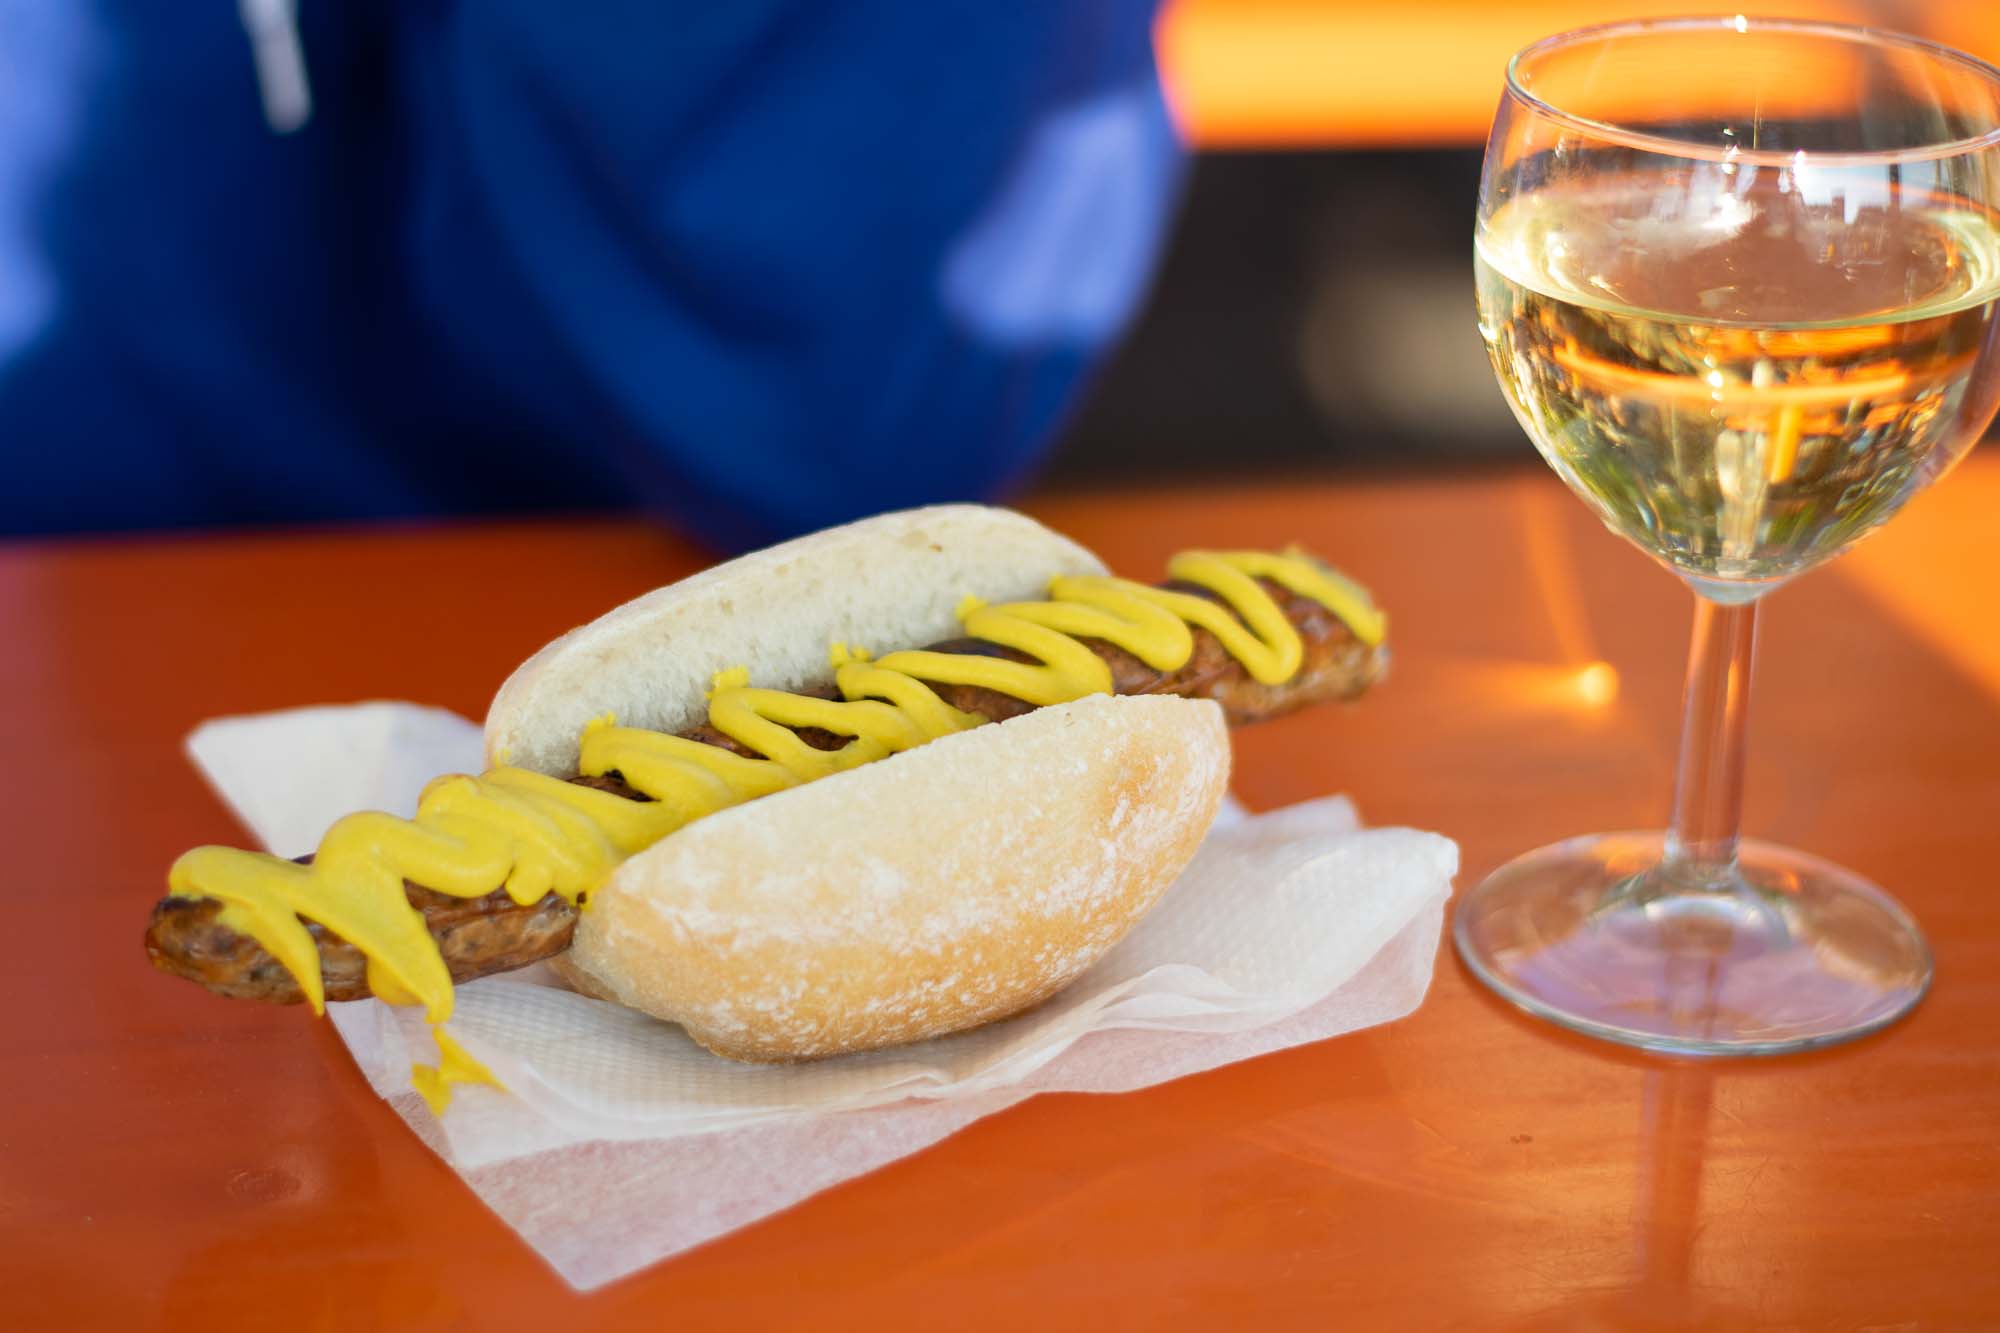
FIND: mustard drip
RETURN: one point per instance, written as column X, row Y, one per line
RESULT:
column 534, row 835
column 455, row 1066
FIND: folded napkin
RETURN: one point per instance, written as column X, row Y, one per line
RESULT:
column 617, row 1141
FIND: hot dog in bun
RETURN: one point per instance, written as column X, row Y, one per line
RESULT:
column 755, row 804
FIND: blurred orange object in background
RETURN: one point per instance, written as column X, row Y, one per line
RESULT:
column 1362, row 73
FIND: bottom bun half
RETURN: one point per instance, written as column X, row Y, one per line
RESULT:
column 946, row 887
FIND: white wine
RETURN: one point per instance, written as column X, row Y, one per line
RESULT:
column 1742, row 380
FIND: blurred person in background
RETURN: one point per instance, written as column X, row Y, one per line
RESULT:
column 754, row 266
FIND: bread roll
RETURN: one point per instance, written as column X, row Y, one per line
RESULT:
column 883, row 583
column 946, row 887
column 935, row 890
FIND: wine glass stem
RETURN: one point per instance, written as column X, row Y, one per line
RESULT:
column 1708, row 789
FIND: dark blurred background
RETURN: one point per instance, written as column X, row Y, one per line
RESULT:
column 1314, row 311
column 745, row 266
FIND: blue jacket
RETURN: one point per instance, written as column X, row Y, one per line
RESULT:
column 757, row 266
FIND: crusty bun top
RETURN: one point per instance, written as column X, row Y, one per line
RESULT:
column 884, row 583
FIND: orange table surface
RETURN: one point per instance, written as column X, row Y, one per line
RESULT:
column 171, row 1160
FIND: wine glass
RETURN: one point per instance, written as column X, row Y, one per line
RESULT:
column 1738, row 280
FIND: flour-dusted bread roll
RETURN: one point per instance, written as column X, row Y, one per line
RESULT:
column 894, row 581
column 944, row 888
column 935, row 890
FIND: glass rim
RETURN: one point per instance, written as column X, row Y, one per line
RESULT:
column 1660, row 143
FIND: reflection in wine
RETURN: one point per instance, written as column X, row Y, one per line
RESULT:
column 1743, row 374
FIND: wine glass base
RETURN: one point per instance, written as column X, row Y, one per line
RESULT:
column 1788, row 953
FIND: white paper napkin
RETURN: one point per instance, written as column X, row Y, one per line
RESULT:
column 618, row 1141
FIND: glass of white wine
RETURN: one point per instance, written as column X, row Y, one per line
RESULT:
column 1738, row 280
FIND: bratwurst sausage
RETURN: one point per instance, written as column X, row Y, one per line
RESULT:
column 482, row 936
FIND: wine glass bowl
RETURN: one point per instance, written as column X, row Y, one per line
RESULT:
column 1747, row 327
column 1739, row 280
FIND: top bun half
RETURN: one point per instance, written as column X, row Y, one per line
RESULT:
column 884, row 583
